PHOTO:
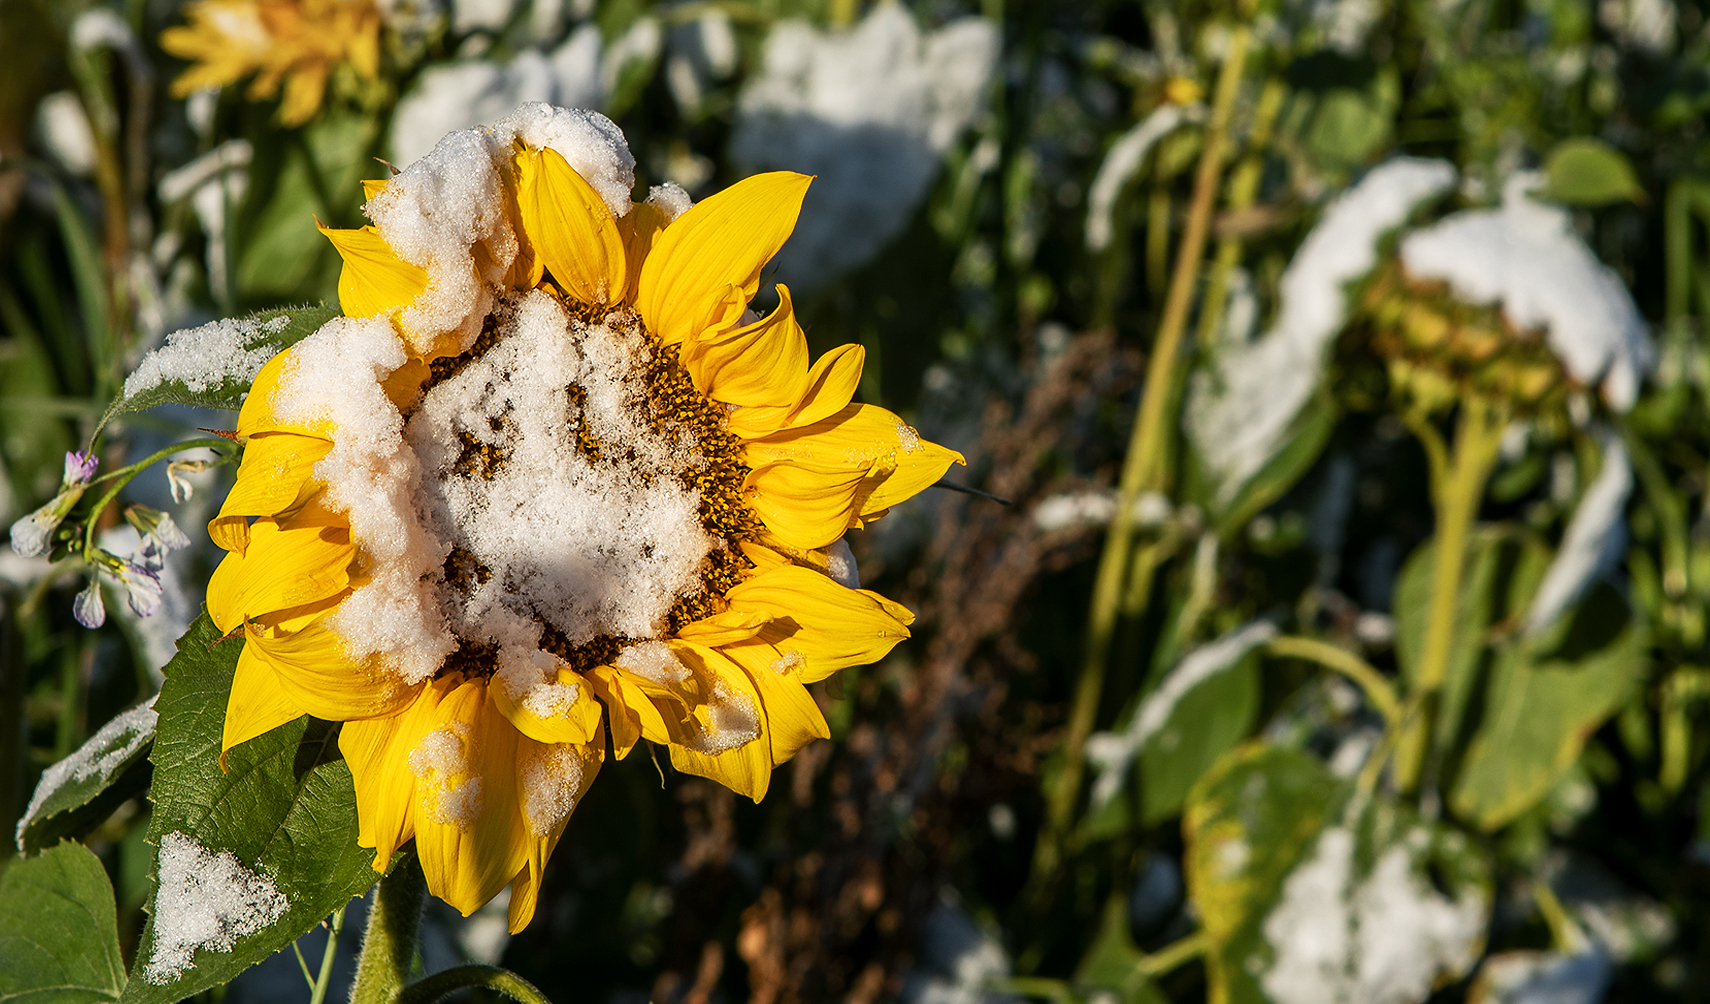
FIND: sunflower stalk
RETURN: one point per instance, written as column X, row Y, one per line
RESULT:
column 389, row 946
column 1458, row 478
column 1143, row 469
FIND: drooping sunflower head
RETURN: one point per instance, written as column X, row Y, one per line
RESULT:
column 549, row 479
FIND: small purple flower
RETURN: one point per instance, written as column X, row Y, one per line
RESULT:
column 32, row 536
column 143, row 590
column 79, row 468
column 88, row 608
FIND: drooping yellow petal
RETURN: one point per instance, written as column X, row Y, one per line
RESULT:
column 377, row 751
column 792, row 718
column 276, row 477
column 470, row 833
column 567, row 712
column 731, row 746
column 830, row 385
column 636, row 708
column 319, row 676
column 374, row 279
column 829, row 625
column 550, row 781
column 763, row 364
column 705, row 267
column 286, row 565
column 806, row 504
column 257, row 703
column 571, row 228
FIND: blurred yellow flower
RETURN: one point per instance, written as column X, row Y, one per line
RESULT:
column 297, row 42
column 482, row 760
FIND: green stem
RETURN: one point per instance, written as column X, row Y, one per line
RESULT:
column 1243, row 190
column 390, row 943
column 1457, row 488
column 334, row 929
column 447, row 981
column 1141, row 468
column 125, row 475
column 1377, row 689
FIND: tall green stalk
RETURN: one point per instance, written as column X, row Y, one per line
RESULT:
column 390, row 944
column 1142, row 468
column 1458, row 478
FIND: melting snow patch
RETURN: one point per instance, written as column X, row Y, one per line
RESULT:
column 1112, row 752
column 116, row 742
column 1239, row 414
column 1595, row 539
column 1123, row 161
column 870, row 110
column 205, row 901
column 1526, row 257
column 204, row 357
column 1340, row 938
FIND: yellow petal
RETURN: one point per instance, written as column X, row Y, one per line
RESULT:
column 636, row 709
column 725, row 628
column 806, row 504
column 861, row 437
column 258, row 415
column 377, row 751
column 567, row 713
column 792, row 718
column 372, row 187
column 318, row 676
column 705, row 267
column 551, row 780
column 570, row 228
column 257, row 704
column 761, row 365
column 731, row 747
column 830, row 625
column 469, row 827
column 830, row 385
column 285, row 566
column 639, row 229
column 374, row 279
column 275, row 477
column 303, row 91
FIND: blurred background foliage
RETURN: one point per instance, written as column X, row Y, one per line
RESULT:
column 1344, row 638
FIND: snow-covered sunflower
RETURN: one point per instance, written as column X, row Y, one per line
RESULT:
column 294, row 42
column 549, row 478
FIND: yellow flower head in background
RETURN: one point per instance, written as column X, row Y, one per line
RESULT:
column 297, row 42
column 611, row 500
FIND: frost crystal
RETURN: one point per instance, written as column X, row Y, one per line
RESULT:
column 205, row 357
column 870, row 111
column 1526, row 257
column 116, row 742
column 205, row 901
column 1239, row 414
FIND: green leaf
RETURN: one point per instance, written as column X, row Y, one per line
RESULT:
column 1476, row 611
column 1113, row 963
column 1301, row 885
column 77, row 793
column 1589, row 172
column 265, row 333
column 280, row 253
column 284, row 812
column 1546, row 695
column 59, row 932
column 1300, row 450
column 1205, row 724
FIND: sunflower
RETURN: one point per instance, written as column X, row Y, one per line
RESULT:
column 296, row 42
column 549, row 482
